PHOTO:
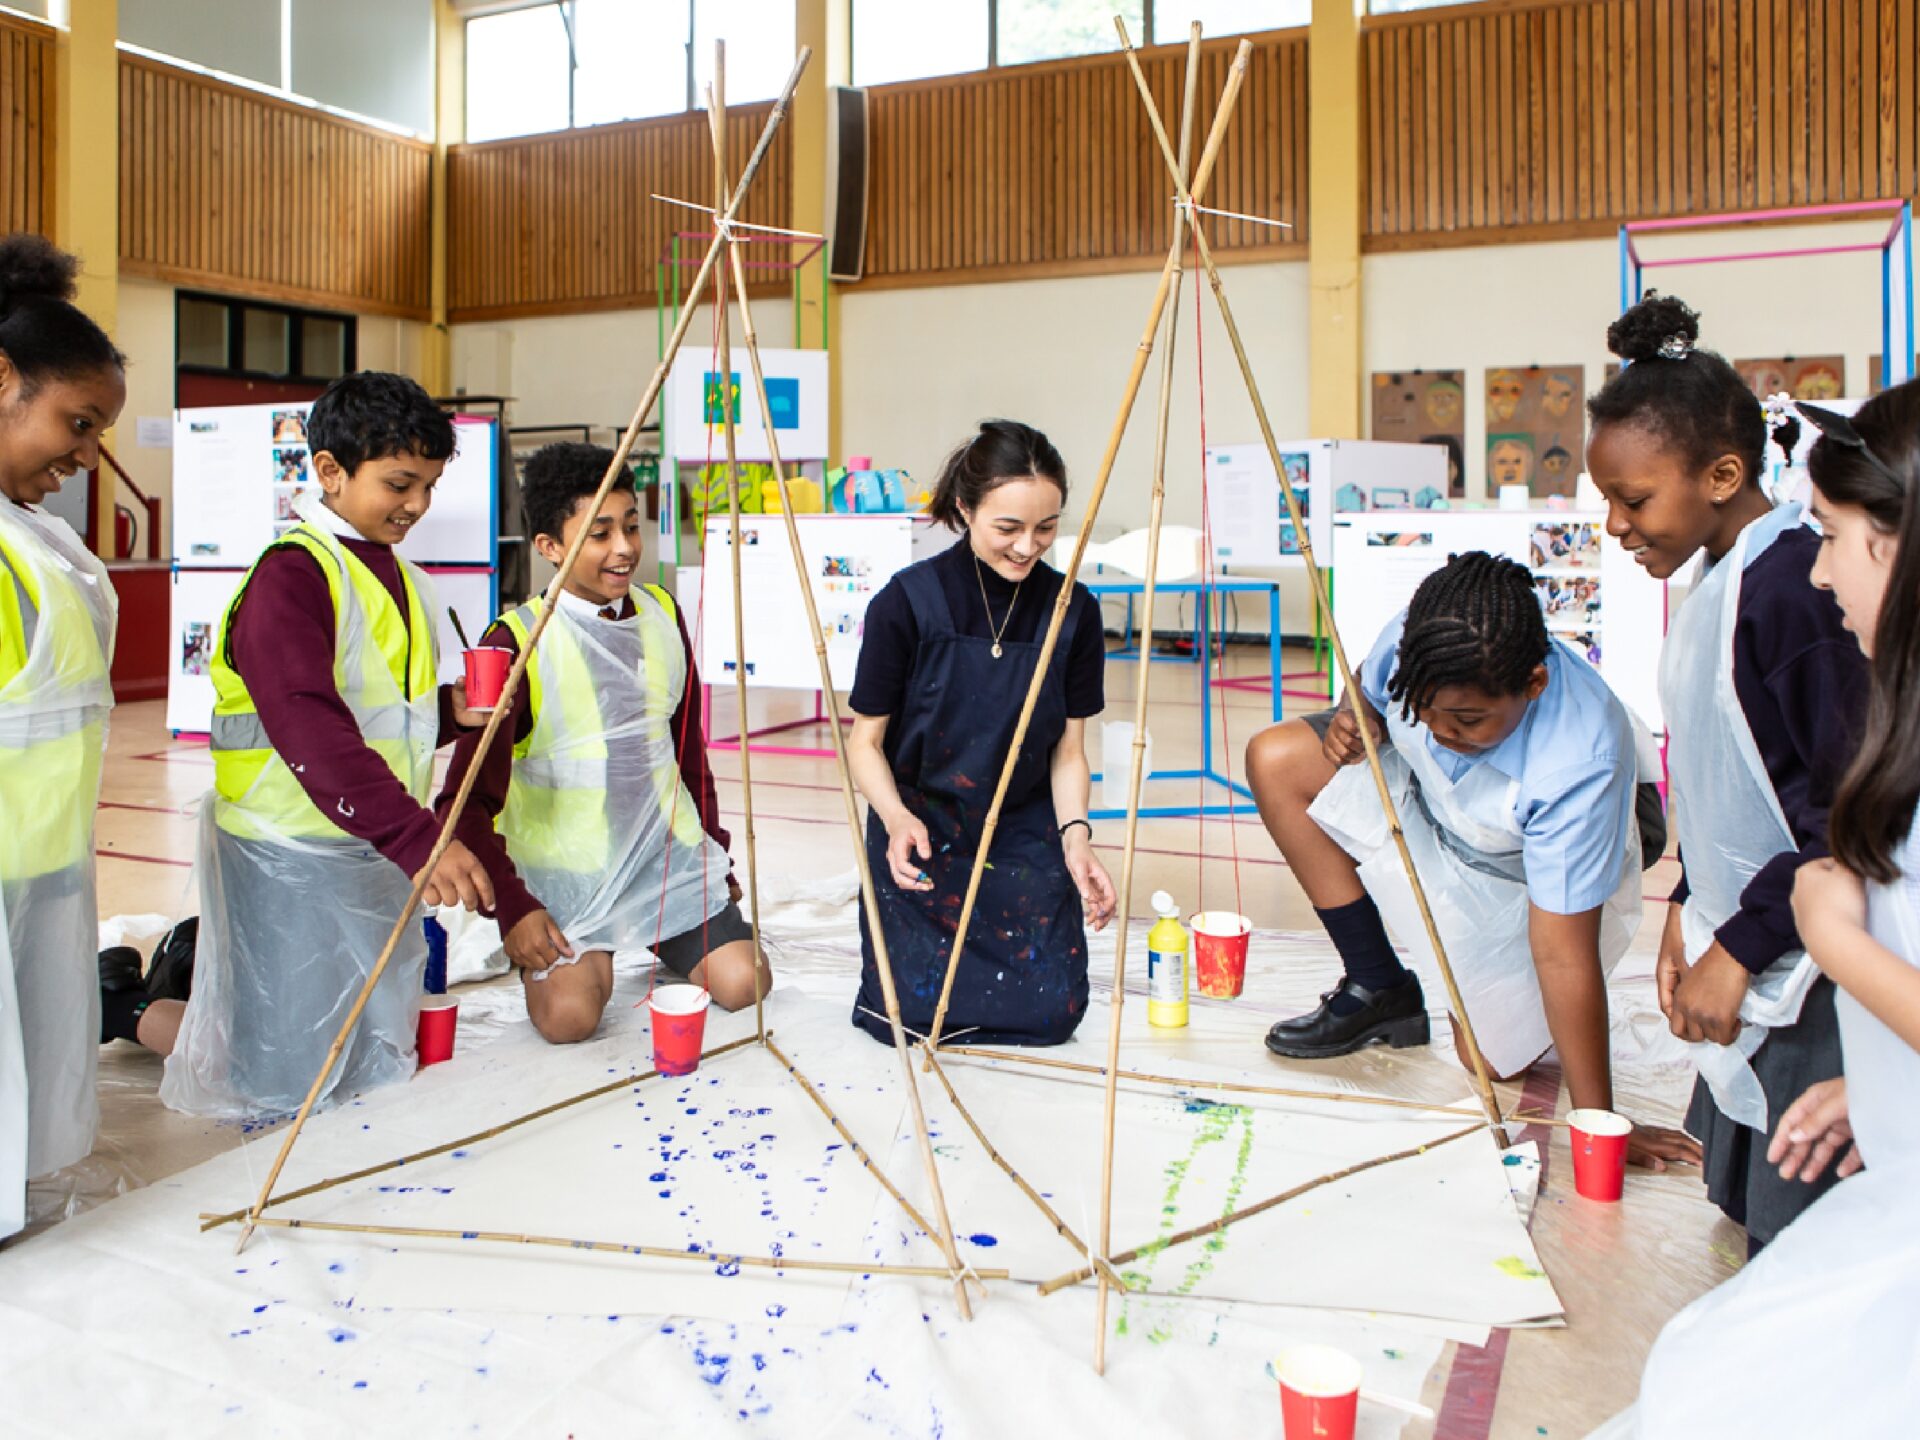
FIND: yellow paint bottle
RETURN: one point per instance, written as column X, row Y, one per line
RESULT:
column 1168, row 953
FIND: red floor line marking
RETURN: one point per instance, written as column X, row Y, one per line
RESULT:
column 1110, row 849
column 141, row 859
column 150, row 809
column 197, row 756
column 1473, row 1385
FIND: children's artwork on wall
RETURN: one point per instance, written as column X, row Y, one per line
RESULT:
column 1536, row 427
column 1425, row 407
column 1809, row 377
column 1297, row 466
column 196, row 647
column 1877, row 372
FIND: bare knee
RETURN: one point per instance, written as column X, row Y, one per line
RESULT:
column 732, row 978
column 1287, row 759
column 567, row 1019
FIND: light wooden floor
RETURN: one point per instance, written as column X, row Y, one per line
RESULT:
column 1621, row 1270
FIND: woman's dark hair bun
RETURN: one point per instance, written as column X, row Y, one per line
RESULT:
column 1640, row 333
column 32, row 267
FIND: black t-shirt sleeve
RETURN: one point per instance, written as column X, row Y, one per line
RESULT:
column 887, row 646
column 1086, row 671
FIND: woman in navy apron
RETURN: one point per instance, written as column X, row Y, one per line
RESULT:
column 947, row 655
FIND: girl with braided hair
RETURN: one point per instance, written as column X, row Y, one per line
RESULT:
column 1513, row 768
column 1763, row 692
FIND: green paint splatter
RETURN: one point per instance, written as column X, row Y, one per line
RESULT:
column 1735, row 1260
column 1217, row 1122
column 1519, row 1269
column 1394, row 1354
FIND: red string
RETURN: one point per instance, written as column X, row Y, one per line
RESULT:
column 1206, row 599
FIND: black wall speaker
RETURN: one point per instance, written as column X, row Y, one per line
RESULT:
column 846, row 181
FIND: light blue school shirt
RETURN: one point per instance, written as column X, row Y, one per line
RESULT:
column 1573, row 758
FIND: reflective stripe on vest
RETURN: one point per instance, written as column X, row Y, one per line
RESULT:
column 266, row 799
column 555, row 814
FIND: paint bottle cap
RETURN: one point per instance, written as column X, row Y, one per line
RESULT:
column 1163, row 905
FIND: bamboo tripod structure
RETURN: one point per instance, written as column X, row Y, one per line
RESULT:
column 727, row 202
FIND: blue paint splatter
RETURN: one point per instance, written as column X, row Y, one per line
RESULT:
column 1509, row 1159
column 338, row 1267
column 359, row 1384
column 776, row 1311
column 985, row 1242
column 340, row 1337
column 259, row 1309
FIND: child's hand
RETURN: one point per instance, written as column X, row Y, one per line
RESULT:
column 1343, row 745
column 1706, row 1002
column 906, row 837
column 1654, row 1148
column 463, row 717
column 1814, row 1130
column 1827, row 896
column 734, row 892
column 459, row 879
column 536, row 942
column 1672, row 964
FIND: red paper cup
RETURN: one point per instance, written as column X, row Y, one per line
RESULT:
column 1220, row 952
column 487, row 668
column 439, row 1016
column 1599, row 1153
column 679, row 1026
column 1319, row 1392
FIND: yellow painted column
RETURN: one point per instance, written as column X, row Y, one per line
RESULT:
column 86, row 177
column 449, row 128
column 1335, row 375
column 826, row 25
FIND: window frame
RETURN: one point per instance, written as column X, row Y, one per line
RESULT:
column 236, row 307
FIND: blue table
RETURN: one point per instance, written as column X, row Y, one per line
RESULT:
column 1203, row 591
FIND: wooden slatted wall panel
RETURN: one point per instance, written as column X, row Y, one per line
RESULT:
column 229, row 189
column 26, row 125
column 1512, row 120
column 558, row 224
column 1053, row 168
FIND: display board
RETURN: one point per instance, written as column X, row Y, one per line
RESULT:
column 1251, row 528
column 1595, row 596
column 1536, row 428
column 796, row 388
column 1425, row 407
column 237, row 469
column 849, row 558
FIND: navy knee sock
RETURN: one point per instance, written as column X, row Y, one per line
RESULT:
column 1360, row 936
column 120, row 1012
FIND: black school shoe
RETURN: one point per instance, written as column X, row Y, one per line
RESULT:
column 119, row 975
column 171, row 975
column 1395, row 1017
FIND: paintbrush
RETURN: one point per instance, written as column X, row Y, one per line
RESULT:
column 458, row 628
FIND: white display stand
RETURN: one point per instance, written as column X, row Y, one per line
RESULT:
column 1248, row 517
column 236, row 469
column 1598, row 598
column 796, row 383
column 849, row 557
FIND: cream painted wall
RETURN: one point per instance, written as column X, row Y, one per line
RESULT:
column 145, row 334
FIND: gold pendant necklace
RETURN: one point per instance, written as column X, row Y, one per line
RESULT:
column 1000, row 629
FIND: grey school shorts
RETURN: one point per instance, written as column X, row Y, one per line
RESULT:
column 683, row 953
column 1648, row 813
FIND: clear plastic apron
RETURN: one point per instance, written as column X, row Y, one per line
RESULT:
column 1467, row 847
column 1728, row 819
column 291, row 926
column 609, row 690
column 49, row 981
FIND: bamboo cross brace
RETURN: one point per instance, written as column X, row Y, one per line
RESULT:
column 621, row 1247
column 1236, row 77
column 883, row 964
column 1483, row 1082
column 1228, row 1087
column 1074, row 1277
column 211, row 1221
column 1060, row 1227
column 717, row 106
column 1137, row 771
column 519, row 668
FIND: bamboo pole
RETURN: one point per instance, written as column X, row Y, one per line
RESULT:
column 1483, row 1082
column 1225, row 1086
column 1236, row 77
column 717, row 108
column 1137, row 772
column 211, row 1221
column 1061, row 1228
column 515, row 674
column 944, row 1234
column 1074, row 1277
column 650, row 1252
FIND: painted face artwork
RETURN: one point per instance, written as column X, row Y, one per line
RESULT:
column 1442, row 404
column 1553, row 464
column 1509, row 461
column 1817, row 382
column 1504, row 388
column 1556, row 396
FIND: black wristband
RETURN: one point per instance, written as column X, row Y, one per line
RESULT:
column 1071, row 823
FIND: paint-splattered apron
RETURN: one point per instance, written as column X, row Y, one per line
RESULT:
column 1023, row 975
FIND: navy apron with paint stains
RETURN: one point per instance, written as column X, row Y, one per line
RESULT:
column 1023, row 976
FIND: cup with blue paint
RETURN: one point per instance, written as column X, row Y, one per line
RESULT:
column 679, row 1015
